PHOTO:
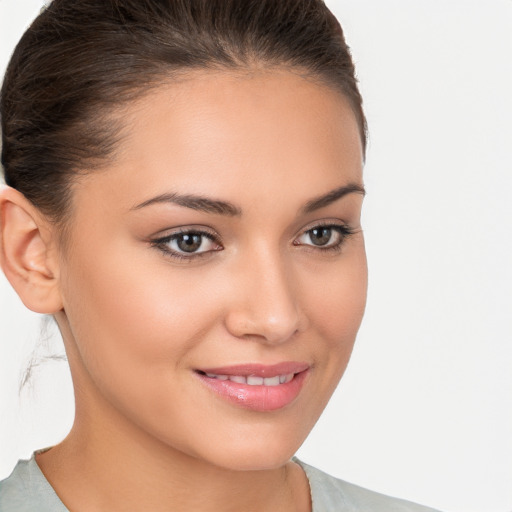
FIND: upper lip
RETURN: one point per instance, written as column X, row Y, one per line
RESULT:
column 258, row 370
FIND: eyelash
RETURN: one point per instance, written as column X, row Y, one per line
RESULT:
column 162, row 243
column 344, row 232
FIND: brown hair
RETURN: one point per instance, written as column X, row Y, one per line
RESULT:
column 82, row 58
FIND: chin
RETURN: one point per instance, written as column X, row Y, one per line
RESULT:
column 251, row 460
column 260, row 451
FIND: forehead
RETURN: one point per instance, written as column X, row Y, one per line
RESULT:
column 233, row 136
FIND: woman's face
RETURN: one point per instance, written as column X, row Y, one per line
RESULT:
column 215, row 277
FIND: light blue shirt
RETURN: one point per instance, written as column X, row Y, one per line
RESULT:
column 27, row 490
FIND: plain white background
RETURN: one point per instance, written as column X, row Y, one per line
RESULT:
column 425, row 409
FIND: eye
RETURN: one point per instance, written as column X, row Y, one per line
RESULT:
column 325, row 237
column 320, row 236
column 187, row 244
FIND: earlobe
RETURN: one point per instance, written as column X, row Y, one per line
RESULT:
column 26, row 253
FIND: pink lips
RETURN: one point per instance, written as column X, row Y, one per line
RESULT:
column 255, row 386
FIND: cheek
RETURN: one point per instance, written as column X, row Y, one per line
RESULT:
column 127, row 316
column 337, row 297
column 335, row 306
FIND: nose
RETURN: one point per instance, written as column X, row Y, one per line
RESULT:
column 266, row 303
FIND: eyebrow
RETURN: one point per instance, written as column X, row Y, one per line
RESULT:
column 194, row 202
column 332, row 196
column 219, row 207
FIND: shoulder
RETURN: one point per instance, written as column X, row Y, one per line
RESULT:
column 27, row 490
column 330, row 494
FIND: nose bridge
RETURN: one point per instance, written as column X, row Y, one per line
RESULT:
column 267, row 306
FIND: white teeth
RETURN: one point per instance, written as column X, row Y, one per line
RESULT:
column 253, row 380
column 271, row 381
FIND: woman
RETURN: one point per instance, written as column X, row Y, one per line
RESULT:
column 184, row 194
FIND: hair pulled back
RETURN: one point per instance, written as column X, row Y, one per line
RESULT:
column 80, row 59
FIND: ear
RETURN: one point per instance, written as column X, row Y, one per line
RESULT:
column 28, row 253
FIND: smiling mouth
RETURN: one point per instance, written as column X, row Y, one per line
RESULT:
column 253, row 380
column 261, row 388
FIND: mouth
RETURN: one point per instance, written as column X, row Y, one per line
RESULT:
column 254, row 380
column 260, row 388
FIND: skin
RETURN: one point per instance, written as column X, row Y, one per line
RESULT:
column 136, row 322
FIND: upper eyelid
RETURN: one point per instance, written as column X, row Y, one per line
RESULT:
column 171, row 232
column 324, row 223
column 344, row 229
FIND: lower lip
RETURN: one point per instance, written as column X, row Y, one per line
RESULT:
column 257, row 398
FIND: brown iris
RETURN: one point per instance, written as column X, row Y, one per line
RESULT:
column 189, row 242
column 320, row 236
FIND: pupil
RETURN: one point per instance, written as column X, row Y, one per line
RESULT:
column 320, row 236
column 189, row 243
